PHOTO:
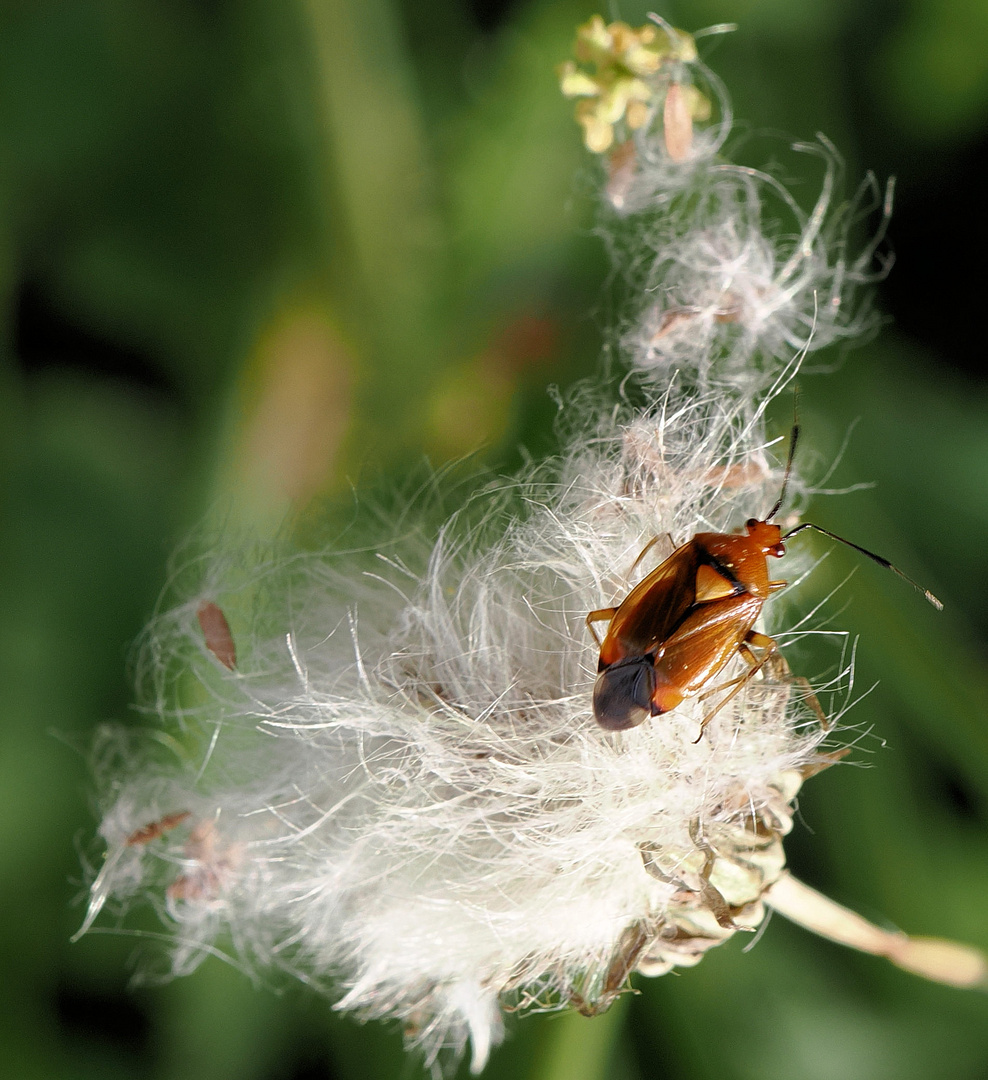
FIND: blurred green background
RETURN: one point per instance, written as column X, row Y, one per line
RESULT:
column 254, row 251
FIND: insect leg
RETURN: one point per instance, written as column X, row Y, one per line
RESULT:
column 648, row 547
column 763, row 642
column 760, row 641
column 604, row 614
column 800, row 681
column 812, row 700
column 644, row 551
column 741, row 679
column 782, row 671
column 741, row 682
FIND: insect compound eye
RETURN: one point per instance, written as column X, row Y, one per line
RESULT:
column 622, row 695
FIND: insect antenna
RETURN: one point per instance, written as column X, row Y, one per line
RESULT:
column 864, row 551
column 793, row 439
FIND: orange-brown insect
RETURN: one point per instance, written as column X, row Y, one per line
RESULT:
column 681, row 625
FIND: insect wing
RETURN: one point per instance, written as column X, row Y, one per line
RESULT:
column 705, row 641
column 654, row 607
column 623, row 693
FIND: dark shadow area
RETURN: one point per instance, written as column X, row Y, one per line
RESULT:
column 111, row 1020
column 46, row 338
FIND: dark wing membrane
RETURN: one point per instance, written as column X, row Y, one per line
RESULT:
column 622, row 695
column 654, row 607
column 705, row 641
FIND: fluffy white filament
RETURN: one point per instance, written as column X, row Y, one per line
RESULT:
column 400, row 789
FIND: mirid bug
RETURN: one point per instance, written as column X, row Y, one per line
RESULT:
column 685, row 621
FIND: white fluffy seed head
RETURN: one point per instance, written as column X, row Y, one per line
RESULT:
column 403, row 786
column 400, row 788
